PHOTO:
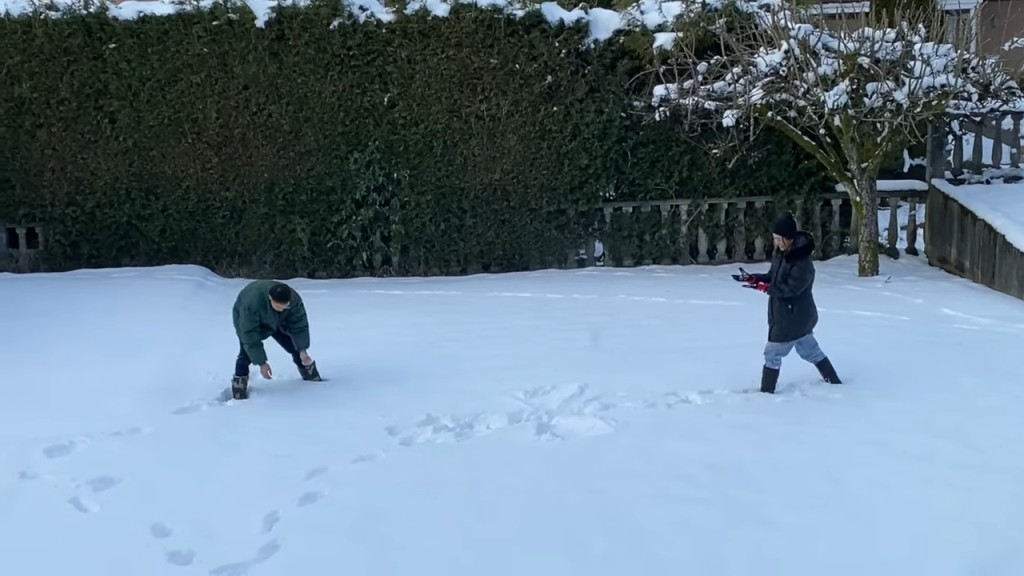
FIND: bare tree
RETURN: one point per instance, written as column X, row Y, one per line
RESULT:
column 849, row 97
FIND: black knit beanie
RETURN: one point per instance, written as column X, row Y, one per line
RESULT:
column 785, row 226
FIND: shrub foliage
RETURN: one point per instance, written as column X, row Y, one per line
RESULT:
column 321, row 146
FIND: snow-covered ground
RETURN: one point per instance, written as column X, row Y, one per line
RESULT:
column 594, row 421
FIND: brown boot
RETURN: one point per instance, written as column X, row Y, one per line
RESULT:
column 310, row 372
column 240, row 387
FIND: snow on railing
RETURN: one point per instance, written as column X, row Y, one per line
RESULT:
column 994, row 141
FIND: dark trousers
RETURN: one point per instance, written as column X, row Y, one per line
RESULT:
column 285, row 341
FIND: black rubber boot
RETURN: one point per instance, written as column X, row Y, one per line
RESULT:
column 769, row 377
column 828, row 372
column 240, row 387
column 310, row 373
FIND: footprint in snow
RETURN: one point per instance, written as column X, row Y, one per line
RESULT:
column 182, row 558
column 263, row 553
column 364, row 458
column 270, row 519
column 96, row 485
column 29, row 476
column 102, row 483
column 267, row 551
column 83, row 505
column 160, row 531
column 198, row 406
column 60, row 450
column 309, row 498
column 316, row 472
column 132, row 431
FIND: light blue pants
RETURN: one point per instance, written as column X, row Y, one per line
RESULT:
column 806, row 347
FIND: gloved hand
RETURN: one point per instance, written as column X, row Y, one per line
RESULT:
column 743, row 276
column 759, row 286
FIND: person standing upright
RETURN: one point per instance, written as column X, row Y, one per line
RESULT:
column 792, row 312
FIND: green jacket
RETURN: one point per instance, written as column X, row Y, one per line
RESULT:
column 255, row 320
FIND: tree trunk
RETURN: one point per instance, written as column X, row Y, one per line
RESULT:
column 865, row 203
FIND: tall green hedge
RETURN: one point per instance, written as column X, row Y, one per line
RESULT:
column 323, row 147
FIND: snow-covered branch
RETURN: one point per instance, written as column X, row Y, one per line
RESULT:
column 1013, row 44
column 790, row 66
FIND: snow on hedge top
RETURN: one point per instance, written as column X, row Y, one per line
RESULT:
column 603, row 23
column 808, row 70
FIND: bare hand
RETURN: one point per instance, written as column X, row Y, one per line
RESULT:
column 265, row 371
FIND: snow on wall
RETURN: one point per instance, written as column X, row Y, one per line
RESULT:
column 603, row 22
column 1001, row 205
column 893, row 186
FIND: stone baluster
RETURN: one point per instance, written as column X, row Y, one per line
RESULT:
column 644, row 256
column 1015, row 148
column 997, row 142
column 912, row 227
column 893, row 236
column 723, row 241
column 702, row 237
column 665, row 208
column 627, row 252
column 739, row 232
column 605, row 258
column 684, row 231
column 759, row 245
column 978, row 151
column 837, row 233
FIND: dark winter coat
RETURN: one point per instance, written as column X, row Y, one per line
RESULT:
column 255, row 320
column 792, row 312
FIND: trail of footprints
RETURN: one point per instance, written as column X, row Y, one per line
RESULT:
column 83, row 500
column 181, row 557
column 545, row 413
column 84, row 494
column 267, row 549
column 548, row 413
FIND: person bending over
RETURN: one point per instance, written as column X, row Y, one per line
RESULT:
column 269, row 309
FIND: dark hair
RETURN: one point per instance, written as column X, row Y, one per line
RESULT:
column 280, row 293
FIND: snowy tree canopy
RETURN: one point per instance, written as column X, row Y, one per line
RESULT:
column 800, row 71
